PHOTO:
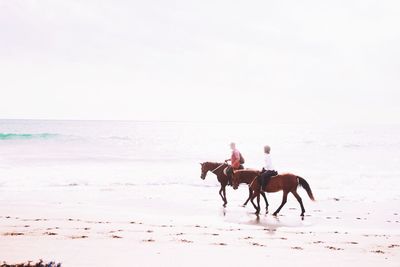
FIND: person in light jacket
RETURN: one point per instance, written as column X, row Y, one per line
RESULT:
column 268, row 170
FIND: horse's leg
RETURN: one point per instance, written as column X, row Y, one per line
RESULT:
column 258, row 203
column 225, row 200
column 284, row 199
column 296, row 195
column 220, row 193
column 266, row 202
column 253, row 196
column 247, row 201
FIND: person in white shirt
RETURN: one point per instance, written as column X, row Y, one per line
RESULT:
column 268, row 169
column 267, row 159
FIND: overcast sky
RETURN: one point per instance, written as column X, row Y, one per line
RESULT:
column 272, row 61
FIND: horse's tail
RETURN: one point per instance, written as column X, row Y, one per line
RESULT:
column 303, row 183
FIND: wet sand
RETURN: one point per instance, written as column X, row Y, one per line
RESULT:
column 178, row 225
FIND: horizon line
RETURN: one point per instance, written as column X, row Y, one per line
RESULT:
column 200, row 121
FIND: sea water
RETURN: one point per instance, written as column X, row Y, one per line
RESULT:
column 42, row 153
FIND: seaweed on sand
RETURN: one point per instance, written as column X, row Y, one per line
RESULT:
column 40, row 263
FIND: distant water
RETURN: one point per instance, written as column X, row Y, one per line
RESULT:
column 11, row 136
column 38, row 153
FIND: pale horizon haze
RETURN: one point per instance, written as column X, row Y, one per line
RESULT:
column 270, row 61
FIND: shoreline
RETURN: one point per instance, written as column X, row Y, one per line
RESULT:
column 95, row 227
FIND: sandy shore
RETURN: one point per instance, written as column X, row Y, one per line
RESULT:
column 177, row 225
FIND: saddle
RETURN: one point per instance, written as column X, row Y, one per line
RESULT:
column 270, row 173
column 225, row 171
column 265, row 177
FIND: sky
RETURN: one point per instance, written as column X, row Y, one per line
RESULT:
column 268, row 61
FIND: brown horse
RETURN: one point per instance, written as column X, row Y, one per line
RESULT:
column 218, row 170
column 247, row 176
column 287, row 183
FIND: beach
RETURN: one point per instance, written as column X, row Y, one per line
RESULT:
column 91, row 202
column 114, row 228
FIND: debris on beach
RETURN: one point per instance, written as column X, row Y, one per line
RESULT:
column 49, row 233
column 13, row 234
column 185, row 241
column 298, row 248
column 220, row 244
column 32, row 264
column 79, row 237
column 333, row 248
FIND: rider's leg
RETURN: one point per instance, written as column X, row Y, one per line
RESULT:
column 263, row 180
column 229, row 173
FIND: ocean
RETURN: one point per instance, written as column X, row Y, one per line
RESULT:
column 356, row 160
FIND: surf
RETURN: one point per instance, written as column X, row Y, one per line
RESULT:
column 26, row 136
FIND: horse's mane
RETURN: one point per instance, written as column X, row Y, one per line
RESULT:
column 248, row 170
column 214, row 162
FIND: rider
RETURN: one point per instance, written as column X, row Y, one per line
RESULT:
column 236, row 162
column 268, row 170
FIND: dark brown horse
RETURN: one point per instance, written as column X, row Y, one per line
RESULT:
column 247, row 176
column 288, row 183
column 218, row 170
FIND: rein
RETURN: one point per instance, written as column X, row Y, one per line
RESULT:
column 253, row 181
column 217, row 168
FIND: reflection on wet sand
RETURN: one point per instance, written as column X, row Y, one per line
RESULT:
column 268, row 222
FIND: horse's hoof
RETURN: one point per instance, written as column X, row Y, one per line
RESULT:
column 275, row 214
column 243, row 205
column 224, row 205
column 266, row 212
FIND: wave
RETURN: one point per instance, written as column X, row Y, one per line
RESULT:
column 351, row 145
column 123, row 138
column 26, row 136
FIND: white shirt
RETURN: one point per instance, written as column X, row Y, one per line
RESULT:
column 268, row 162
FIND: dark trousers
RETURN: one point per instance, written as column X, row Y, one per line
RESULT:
column 229, row 172
column 266, row 177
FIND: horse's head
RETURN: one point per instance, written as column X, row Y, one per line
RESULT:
column 214, row 167
column 204, row 170
column 236, row 179
column 246, row 176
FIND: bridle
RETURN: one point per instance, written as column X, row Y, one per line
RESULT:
column 253, row 181
column 217, row 167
